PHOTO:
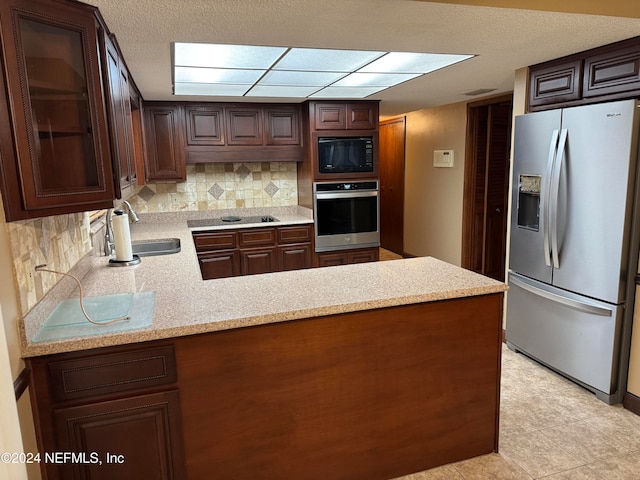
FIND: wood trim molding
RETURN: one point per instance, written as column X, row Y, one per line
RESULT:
column 631, row 403
column 22, row 382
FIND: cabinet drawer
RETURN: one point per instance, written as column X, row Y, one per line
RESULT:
column 258, row 237
column 110, row 373
column 215, row 241
column 294, row 235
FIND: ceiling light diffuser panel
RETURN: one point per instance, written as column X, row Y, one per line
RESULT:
column 321, row 60
column 226, row 56
column 259, row 71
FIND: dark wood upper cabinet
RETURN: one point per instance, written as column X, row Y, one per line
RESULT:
column 164, row 140
column 244, row 125
column 282, row 125
column 204, row 124
column 344, row 116
column 362, row 116
column 611, row 72
column 56, row 157
column 329, row 116
column 228, row 132
column 120, row 119
column 556, row 83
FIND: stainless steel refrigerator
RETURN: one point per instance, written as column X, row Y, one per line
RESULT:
column 574, row 242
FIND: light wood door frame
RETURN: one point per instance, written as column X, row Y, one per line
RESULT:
column 392, row 186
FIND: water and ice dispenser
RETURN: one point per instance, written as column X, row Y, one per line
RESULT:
column 529, row 201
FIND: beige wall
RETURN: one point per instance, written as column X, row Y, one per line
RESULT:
column 618, row 8
column 433, row 196
column 16, row 431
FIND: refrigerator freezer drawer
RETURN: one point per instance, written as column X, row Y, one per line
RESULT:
column 577, row 336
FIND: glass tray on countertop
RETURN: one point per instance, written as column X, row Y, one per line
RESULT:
column 68, row 321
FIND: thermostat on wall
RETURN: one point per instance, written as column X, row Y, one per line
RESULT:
column 443, row 158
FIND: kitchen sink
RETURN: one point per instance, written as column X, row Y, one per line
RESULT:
column 148, row 248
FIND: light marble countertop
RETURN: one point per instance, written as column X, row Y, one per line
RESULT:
column 187, row 305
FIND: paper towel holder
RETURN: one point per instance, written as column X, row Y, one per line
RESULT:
column 115, row 262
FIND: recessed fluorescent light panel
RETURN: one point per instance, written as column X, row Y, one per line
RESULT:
column 258, row 71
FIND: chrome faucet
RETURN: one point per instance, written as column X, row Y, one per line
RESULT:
column 109, row 243
column 133, row 216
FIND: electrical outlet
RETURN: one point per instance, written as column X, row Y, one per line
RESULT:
column 31, row 286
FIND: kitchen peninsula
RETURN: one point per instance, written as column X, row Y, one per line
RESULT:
column 367, row 371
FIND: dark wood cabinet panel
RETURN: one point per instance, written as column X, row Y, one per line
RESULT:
column 244, row 126
column 164, row 139
column 361, row 116
column 131, row 438
column 56, row 157
column 99, row 375
column 363, row 256
column 295, row 257
column 331, row 397
column 215, row 240
column 120, row 120
column 282, row 125
column 555, row 84
column 612, row 72
column 330, row 116
column 258, row 260
column 204, row 124
column 294, row 234
column 347, row 257
column 219, row 264
column 332, row 259
column 257, row 237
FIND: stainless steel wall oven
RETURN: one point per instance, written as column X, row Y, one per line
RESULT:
column 346, row 215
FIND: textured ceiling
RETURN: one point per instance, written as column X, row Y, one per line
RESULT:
column 504, row 39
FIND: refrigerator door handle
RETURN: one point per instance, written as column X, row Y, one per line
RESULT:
column 581, row 306
column 545, row 201
column 554, row 194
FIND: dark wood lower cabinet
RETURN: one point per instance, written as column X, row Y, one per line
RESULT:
column 109, row 413
column 295, row 257
column 259, row 260
column 124, row 439
column 347, row 257
column 228, row 253
column 367, row 395
column 221, row 264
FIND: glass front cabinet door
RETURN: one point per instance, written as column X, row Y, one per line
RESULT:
column 55, row 105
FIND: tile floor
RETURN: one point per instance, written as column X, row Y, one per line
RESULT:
column 550, row 428
column 388, row 255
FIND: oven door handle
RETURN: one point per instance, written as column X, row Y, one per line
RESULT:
column 350, row 194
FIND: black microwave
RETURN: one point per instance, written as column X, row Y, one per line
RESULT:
column 345, row 154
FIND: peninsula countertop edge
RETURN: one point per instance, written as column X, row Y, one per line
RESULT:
column 187, row 305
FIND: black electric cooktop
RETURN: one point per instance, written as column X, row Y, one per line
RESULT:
column 230, row 220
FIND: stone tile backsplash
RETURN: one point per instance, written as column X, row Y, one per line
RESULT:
column 59, row 242
column 216, row 186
